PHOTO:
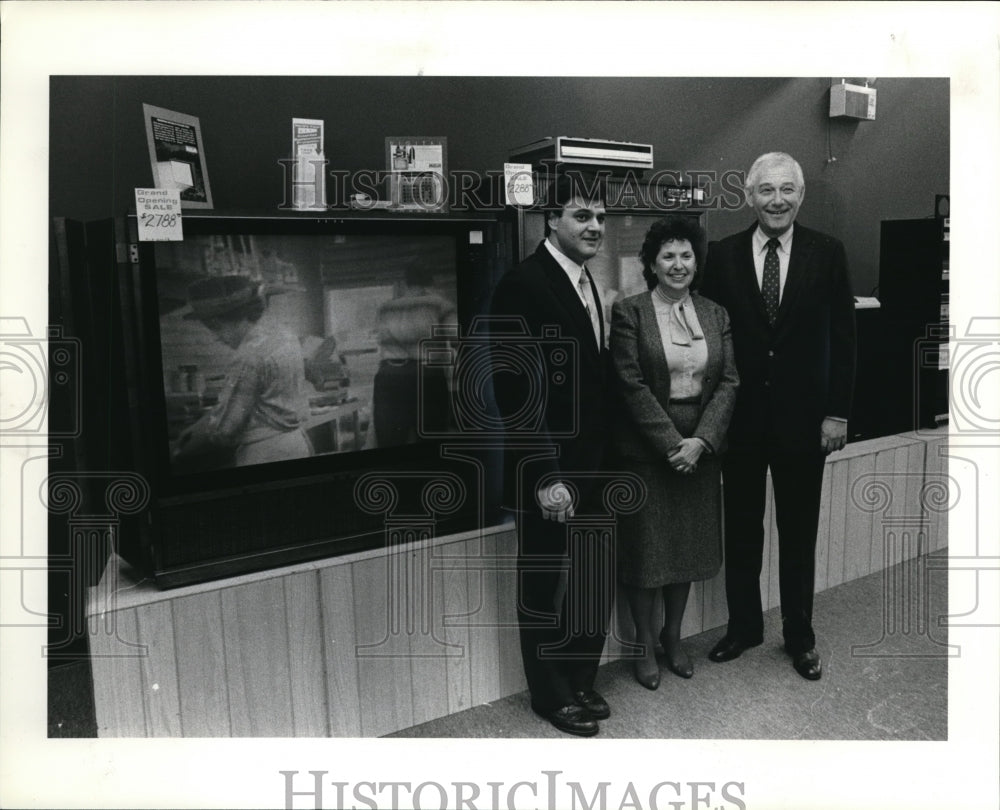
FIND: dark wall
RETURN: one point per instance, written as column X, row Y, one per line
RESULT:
column 889, row 168
column 886, row 169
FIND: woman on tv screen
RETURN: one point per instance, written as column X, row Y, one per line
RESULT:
column 262, row 405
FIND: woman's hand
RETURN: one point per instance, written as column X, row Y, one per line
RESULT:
column 684, row 457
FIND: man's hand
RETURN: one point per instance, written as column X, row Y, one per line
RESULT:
column 833, row 435
column 684, row 457
column 556, row 501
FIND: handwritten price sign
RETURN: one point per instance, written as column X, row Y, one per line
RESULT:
column 519, row 184
column 158, row 211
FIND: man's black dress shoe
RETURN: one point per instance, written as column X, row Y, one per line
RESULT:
column 572, row 719
column 593, row 703
column 808, row 665
column 729, row 648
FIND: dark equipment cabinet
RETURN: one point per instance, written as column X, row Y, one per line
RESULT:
column 868, row 419
column 913, row 289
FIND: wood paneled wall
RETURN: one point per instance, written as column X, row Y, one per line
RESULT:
column 365, row 645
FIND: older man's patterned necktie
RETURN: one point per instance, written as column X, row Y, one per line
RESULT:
column 769, row 285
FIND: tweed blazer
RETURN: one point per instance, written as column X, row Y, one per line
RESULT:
column 642, row 429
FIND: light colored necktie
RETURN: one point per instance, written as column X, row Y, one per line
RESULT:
column 587, row 294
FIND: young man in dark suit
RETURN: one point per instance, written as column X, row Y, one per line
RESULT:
column 789, row 300
column 553, row 403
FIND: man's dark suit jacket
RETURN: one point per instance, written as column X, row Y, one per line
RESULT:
column 793, row 377
column 558, row 397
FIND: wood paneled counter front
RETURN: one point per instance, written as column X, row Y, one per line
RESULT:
column 366, row 644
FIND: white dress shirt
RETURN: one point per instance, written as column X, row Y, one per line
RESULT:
column 572, row 269
column 574, row 272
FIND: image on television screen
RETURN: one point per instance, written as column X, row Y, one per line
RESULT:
column 280, row 347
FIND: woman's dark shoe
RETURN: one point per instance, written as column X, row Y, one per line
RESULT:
column 678, row 661
column 646, row 675
column 680, row 664
column 647, row 671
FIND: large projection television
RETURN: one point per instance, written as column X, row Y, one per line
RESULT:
column 316, row 363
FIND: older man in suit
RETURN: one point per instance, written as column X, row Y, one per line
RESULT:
column 563, row 590
column 789, row 300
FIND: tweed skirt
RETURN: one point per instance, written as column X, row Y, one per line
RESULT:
column 676, row 536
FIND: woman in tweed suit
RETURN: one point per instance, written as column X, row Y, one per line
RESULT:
column 676, row 376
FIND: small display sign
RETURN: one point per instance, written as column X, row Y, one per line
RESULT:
column 309, row 182
column 519, row 185
column 158, row 212
column 177, row 155
column 418, row 173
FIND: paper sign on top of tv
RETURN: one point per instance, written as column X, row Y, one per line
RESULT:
column 158, row 214
column 309, row 178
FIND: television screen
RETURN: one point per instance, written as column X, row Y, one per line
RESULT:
column 276, row 347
